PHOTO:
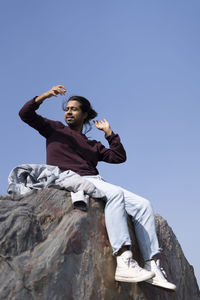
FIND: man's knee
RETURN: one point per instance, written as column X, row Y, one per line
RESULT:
column 115, row 194
column 146, row 205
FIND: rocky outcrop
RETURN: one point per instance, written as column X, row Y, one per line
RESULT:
column 49, row 251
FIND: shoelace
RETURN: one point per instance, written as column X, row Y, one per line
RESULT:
column 131, row 263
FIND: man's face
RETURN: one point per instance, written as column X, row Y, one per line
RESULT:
column 74, row 116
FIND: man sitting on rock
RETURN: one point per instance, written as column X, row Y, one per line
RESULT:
column 69, row 149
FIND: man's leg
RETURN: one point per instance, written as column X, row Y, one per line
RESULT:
column 115, row 213
column 144, row 223
column 127, row 269
column 142, row 215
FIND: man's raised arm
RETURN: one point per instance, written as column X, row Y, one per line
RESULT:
column 28, row 112
column 116, row 153
column 54, row 91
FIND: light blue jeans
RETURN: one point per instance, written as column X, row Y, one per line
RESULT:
column 121, row 202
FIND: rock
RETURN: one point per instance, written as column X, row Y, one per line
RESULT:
column 49, row 251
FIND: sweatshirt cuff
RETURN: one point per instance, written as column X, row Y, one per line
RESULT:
column 110, row 137
column 33, row 103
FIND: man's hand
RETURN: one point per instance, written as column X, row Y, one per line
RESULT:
column 54, row 91
column 105, row 126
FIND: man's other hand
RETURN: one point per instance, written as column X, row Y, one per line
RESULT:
column 105, row 126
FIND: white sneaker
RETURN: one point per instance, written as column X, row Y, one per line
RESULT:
column 160, row 276
column 128, row 269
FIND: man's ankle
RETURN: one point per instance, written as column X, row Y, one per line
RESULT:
column 123, row 249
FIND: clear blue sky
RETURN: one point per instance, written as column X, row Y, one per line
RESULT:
column 138, row 62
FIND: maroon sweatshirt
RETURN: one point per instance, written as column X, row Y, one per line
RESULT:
column 69, row 149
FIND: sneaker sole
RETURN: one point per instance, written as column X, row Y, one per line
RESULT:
column 136, row 279
column 169, row 286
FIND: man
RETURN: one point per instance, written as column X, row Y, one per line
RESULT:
column 69, row 149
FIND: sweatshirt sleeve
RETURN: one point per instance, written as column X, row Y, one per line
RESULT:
column 115, row 154
column 28, row 115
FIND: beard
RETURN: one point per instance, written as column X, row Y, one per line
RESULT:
column 74, row 124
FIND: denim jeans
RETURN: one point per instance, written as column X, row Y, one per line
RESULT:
column 121, row 202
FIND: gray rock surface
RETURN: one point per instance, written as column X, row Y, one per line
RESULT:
column 49, row 251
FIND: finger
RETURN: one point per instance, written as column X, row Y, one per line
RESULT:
column 61, row 86
column 98, row 125
column 54, row 94
column 95, row 122
column 63, row 90
column 56, row 87
column 60, row 91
